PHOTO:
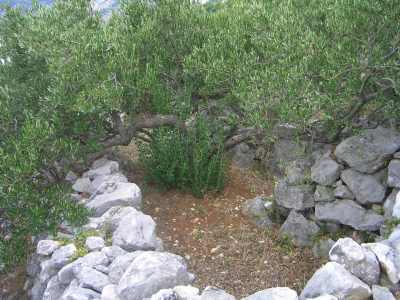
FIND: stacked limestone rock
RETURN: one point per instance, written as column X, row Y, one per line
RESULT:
column 354, row 186
column 129, row 264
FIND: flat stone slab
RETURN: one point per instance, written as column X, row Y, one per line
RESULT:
column 366, row 188
column 369, row 151
column 126, row 194
column 348, row 212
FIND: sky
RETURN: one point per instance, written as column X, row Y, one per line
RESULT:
column 25, row 3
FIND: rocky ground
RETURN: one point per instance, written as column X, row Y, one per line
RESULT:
column 221, row 246
column 229, row 239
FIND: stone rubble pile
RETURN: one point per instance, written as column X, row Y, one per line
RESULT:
column 123, row 259
column 354, row 186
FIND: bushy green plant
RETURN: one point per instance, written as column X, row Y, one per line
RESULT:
column 190, row 160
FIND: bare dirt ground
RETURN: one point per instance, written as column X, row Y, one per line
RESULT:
column 12, row 284
column 221, row 246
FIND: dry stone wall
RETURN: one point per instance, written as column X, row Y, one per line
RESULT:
column 118, row 255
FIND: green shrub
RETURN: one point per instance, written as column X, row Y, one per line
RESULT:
column 190, row 159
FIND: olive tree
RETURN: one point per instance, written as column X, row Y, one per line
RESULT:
column 188, row 80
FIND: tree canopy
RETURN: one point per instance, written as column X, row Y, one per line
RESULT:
column 72, row 86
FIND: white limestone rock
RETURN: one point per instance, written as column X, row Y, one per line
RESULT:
column 151, row 272
column 348, row 212
column 107, row 167
column 82, row 185
column 92, row 259
column 47, row 247
column 370, row 150
column 59, row 259
column 54, row 289
column 394, row 173
column 388, row 258
column 94, row 243
column 366, row 188
column 333, row 279
column 118, row 267
column 360, row 261
column 109, row 293
column 75, row 292
column 325, row 171
column 92, row 279
column 381, row 293
column 136, row 231
column 126, row 194
column 279, row 293
column 214, row 293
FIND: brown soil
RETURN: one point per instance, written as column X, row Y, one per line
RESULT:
column 221, row 246
column 11, row 284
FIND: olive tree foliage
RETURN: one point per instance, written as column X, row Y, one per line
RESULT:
column 174, row 74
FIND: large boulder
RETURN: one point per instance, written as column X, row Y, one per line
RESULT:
column 366, row 188
column 388, row 258
column 333, row 279
column 360, row 261
column 120, row 264
column 299, row 229
column 369, row 151
column 125, row 194
column 151, row 272
column 348, row 212
column 136, row 231
column 394, row 173
column 297, row 197
column 325, row 171
column 279, row 293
